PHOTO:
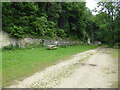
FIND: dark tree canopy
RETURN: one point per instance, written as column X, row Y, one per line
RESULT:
column 62, row 19
column 44, row 19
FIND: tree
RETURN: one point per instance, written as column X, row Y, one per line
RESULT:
column 109, row 23
column 71, row 19
column 44, row 19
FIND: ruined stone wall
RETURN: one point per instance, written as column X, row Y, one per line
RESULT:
column 6, row 40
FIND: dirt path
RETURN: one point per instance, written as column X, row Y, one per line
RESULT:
column 90, row 69
column 103, row 73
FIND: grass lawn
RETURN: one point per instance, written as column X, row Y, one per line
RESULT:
column 19, row 64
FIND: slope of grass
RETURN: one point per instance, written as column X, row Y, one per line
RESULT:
column 19, row 64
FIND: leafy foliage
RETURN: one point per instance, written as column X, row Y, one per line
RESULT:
column 108, row 20
column 44, row 19
column 62, row 19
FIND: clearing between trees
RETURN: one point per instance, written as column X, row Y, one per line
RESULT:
column 22, row 63
column 96, row 68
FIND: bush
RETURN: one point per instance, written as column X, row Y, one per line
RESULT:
column 11, row 47
column 40, row 26
column 117, row 44
column 17, row 46
column 41, row 43
column 61, row 33
column 17, row 31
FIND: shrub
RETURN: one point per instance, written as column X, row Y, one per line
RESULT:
column 117, row 44
column 61, row 33
column 40, row 26
column 41, row 43
column 9, row 47
column 17, row 46
column 17, row 32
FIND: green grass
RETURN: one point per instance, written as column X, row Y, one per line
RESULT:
column 19, row 64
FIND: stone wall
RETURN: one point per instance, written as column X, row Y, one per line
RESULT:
column 0, row 39
column 6, row 40
column 28, row 41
